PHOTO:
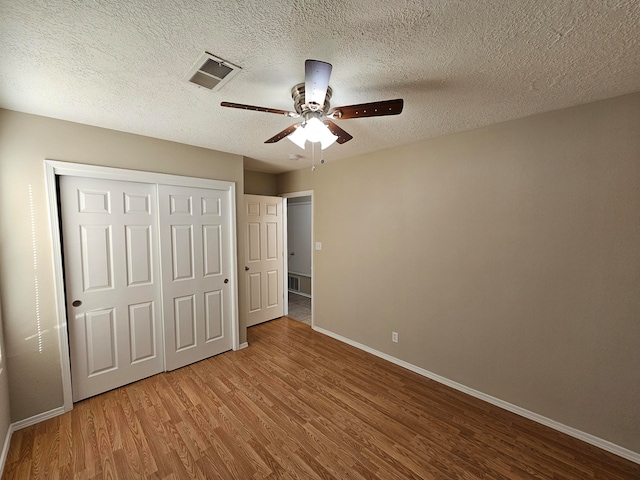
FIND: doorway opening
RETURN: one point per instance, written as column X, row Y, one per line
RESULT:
column 300, row 256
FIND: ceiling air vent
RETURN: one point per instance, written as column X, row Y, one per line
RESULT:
column 211, row 72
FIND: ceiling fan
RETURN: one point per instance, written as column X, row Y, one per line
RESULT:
column 311, row 103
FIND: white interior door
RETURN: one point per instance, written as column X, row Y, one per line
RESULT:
column 196, row 268
column 264, row 263
column 112, row 282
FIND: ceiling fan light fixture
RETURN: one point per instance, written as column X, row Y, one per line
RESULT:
column 316, row 131
column 298, row 137
column 313, row 129
column 311, row 102
column 327, row 139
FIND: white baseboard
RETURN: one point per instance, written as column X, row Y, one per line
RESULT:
column 580, row 435
column 5, row 448
column 302, row 294
column 41, row 417
column 243, row 345
column 27, row 422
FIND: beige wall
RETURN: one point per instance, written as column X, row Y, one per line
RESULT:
column 5, row 411
column 259, row 183
column 305, row 284
column 507, row 258
column 31, row 337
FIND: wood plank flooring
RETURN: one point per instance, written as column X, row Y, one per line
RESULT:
column 298, row 404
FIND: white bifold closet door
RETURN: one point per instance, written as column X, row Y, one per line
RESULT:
column 147, row 278
column 194, row 225
column 112, row 283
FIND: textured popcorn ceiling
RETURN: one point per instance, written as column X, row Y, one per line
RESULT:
column 457, row 64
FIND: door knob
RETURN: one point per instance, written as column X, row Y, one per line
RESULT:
column 226, row 280
column 76, row 303
column 291, row 253
column 246, row 269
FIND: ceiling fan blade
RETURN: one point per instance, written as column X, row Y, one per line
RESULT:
column 343, row 136
column 316, row 81
column 373, row 109
column 284, row 133
column 259, row 109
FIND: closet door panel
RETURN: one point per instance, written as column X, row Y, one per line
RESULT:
column 196, row 263
column 109, row 231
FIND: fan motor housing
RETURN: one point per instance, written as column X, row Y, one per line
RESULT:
column 297, row 93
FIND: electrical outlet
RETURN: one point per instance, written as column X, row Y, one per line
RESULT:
column 394, row 337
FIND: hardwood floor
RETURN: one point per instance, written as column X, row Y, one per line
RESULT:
column 298, row 404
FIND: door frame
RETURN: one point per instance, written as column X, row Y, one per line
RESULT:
column 286, row 196
column 55, row 169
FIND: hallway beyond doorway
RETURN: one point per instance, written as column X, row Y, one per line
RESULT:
column 300, row 308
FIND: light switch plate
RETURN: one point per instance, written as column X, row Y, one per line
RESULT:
column 318, row 245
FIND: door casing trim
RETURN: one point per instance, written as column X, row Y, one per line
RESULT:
column 54, row 168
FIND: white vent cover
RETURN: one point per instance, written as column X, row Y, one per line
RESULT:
column 294, row 283
column 211, row 72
